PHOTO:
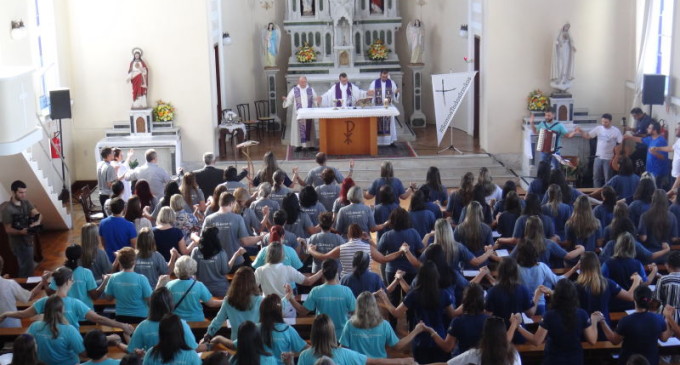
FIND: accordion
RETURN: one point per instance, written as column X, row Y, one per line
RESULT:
column 547, row 141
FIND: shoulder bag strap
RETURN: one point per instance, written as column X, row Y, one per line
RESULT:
column 184, row 295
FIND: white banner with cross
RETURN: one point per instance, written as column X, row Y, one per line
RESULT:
column 449, row 91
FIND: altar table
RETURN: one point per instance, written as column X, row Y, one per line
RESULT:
column 348, row 131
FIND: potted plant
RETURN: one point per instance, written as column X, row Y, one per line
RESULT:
column 537, row 102
column 305, row 54
column 163, row 111
column 378, row 51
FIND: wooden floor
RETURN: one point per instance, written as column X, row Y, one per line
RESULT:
column 424, row 145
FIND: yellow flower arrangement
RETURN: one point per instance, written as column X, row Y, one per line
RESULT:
column 163, row 111
column 537, row 101
column 378, row 51
column 305, row 54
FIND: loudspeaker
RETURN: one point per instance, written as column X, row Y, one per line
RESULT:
column 653, row 87
column 60, row 104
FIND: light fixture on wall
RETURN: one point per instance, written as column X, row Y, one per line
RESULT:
column 226, row 39
column 266, row 4
column 463, row 31
column 18, row 30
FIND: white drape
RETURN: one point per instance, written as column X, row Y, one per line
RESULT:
column 645, row 43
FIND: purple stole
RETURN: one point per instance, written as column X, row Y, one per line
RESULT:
column 383, row 122
column 338, row 94
column 304, row 126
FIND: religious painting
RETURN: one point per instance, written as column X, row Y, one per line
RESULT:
column 307, row 7
column 377, row 6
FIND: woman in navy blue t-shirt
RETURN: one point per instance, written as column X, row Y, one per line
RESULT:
column 422, row 219
column 640, row 330
column 472, row 232
column 512, row 209
column 465, row 331
column 429, row 304
column 582, row 228
column 622, row 266
column 605, row 211
column 461, row 198
column 558, row 211
column 658, row 225
column 563, row 327
column 595, row 291
column 508, row 296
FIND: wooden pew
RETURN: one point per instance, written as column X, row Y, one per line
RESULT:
column 12, row 333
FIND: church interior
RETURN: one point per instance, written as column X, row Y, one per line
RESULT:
column 214, row 59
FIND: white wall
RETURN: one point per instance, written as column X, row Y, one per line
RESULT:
column 516, row 55
column 14, row 52
column 174, row 35
column 444, row 51
column 244, row 76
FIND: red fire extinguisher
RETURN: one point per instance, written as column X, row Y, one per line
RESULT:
column 55, row 146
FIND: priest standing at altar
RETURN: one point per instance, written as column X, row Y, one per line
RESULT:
column 343, row 93
column 385, row 88
column 301, row 131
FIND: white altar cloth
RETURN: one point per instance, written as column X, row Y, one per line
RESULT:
column 333, row 113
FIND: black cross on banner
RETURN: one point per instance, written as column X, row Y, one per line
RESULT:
column 444, row 91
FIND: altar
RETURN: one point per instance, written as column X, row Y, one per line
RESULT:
column 348, row 131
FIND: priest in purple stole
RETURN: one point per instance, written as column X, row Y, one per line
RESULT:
column 343, row 93
column 301, row 131
column 383, row 88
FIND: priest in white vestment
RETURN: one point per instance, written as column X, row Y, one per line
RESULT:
column 301, row 131
column 343, row 93
column 383, row 88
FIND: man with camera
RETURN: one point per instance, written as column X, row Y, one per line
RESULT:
column 21, row 221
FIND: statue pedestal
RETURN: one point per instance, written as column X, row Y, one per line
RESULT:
column 562, row 104
column 270, row 75
column 417, row 118
column 140, row 122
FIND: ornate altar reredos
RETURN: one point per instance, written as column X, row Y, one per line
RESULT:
column 341, row 32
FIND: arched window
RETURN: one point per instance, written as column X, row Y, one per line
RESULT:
column 357, row 42
column 328, row 44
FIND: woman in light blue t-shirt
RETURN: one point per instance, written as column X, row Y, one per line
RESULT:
column 324, row 343
column 58, row 343
column 187, row 292
column 146, row 333
column 171, row 347
column 368, row 333
column 84, row 286
column 241, row 304
column 251, row 350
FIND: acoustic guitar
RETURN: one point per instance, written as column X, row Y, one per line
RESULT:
column 622, row 149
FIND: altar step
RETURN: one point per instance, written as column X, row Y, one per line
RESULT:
column 122, row 129
column 451, row 168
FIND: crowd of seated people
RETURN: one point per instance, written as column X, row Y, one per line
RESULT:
column 454, row 276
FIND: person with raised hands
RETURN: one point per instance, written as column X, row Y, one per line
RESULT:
column 331, row 298
column 74, row 309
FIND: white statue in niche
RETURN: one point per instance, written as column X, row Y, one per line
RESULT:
column 342, row 33
column 342, row 13
column 307, row 7
column 271, row 38
column 563, row 60
column 414, row 36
